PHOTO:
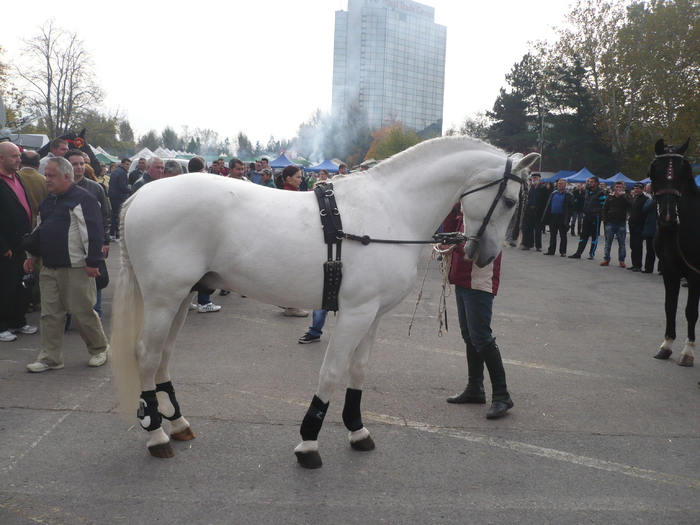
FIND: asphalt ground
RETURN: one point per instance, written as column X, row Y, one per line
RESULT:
column 600, row 433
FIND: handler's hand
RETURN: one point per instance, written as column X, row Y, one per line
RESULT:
column 8, row 254
column 28, row 265
column 92, row 272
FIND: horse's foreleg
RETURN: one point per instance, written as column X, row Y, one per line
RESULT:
column 691, row 316
column 672, row 285
column 359, row 436
column 149, row 353
column 168, row 405
column 350, row 329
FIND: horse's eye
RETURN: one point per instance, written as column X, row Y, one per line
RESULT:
column 510, row 203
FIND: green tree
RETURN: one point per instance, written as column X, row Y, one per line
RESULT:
column 244, row 148
column 476, row 126
column 391, row 139
column 150, row 140
column 169, row 138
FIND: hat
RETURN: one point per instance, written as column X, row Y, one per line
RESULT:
column 536, row 175
column 639, row 185
column 266, row 171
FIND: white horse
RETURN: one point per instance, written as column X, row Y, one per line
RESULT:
column 166, row 251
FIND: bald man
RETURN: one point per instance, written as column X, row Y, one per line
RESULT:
column 15, row 222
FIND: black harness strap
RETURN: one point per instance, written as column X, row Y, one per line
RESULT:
column 332, row 228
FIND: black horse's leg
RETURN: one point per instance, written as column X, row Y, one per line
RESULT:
column 672, row 285
column 691, row 316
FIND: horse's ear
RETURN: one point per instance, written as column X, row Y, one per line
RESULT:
column 681, row 150
column 82, row 133
column 659, row 147
column 526, row 162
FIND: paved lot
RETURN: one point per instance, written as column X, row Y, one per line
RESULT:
column 601, row 432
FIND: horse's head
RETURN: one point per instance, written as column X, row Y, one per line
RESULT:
column 671, row 175
column 488, row 208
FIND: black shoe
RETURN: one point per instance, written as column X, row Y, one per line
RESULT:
column 308, row 338
column 499, row 408
column 563, row 254
column 548, row 253
column 590, row 257
column 478, row 398
column 224, row 292
column 539, row 249
column 636, row 269
column 575, row 256
column 525, row 248
column 647, row 271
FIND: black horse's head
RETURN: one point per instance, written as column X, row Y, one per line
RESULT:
column 75, row 141
column 671, row 176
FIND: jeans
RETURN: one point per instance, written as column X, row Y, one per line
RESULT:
column 98, row 304
column 318, row 320
column 203, row 298
column 474, row 311
column 611, row 230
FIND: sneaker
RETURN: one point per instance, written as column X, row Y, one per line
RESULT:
column 605, row 263
column 26, row 329
column 622, row 264
column 224, row 292
column 192, row 306
column 575, row 256
column 295, row 312
column 43, row 367
column 308, row 338
column 7, row 336
column 209, row 307
column 98, row 359
column 590, row 257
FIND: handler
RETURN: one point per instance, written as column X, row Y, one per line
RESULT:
column 475, row 289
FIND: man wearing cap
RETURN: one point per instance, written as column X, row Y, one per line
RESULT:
column 636, row 226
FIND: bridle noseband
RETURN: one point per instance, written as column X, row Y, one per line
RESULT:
column 670, row 174
column 507, row 175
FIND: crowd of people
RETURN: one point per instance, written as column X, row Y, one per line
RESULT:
column 582, row 210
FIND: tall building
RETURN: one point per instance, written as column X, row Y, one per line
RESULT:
column 389, row 60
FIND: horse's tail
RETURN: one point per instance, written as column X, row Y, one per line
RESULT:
column 127, row 319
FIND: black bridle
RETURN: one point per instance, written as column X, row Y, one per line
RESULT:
column 670, row 176
column 451, row 238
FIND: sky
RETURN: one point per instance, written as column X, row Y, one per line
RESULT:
column 263, row 67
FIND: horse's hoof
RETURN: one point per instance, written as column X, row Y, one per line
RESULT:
column 183, row 435
column 164, row 450
column 686, row 360
column 663, row 353
column 364, row 445
column 310, row 459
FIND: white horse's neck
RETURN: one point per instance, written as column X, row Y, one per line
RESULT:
column 418, row 187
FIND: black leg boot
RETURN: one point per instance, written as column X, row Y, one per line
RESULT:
column 474, row 392
column 501, row 401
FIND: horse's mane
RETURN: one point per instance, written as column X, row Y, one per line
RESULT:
column 438, row 146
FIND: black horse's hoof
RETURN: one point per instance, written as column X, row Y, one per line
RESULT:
column 686, row 360
column 309, row 459
column 663, row 353
column 364, row 445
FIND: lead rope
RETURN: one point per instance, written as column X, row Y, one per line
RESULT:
column 444, row 266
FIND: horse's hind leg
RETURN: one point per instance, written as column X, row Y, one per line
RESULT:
column 149, row 353
column 672, row 286
column 168, row 405
column 359, row 436
column 691, row 316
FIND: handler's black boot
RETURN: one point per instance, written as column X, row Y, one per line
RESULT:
column 501, row 401
column 474, row 392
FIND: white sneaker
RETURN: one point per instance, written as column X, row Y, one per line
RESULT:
column 7, row 336
column 209, row 307
column 295, row 312
column 26, row 329
column 42, row 367
column 192, row 306
column 98, row 359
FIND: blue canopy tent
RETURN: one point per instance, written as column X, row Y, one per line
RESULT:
column 281, row 162
column 325, row 165
column 629, row 183
column 697, row 180
column 581, row 176
column 558, row 175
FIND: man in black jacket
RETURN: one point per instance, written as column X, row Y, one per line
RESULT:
column 72, row 238
column 119, row 191
column 535, row 203
column 594, row 198
column 557, row 213
column 15, row 221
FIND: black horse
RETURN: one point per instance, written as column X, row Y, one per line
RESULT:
column 75, row 141
column 677, row 241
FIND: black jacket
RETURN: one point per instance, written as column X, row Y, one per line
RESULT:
column 14, row 222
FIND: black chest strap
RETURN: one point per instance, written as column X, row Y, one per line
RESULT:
column 332, row 233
